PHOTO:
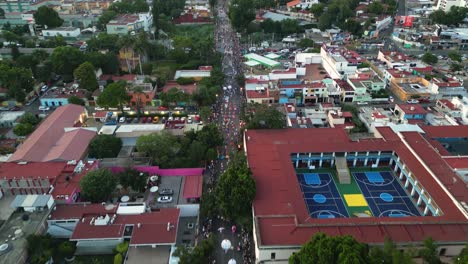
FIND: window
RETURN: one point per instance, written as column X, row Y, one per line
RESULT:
column 273, row 255
column 442, row 251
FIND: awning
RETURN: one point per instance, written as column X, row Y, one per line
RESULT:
column 193, row 186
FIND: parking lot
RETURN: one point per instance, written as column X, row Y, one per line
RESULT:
column 170, row 182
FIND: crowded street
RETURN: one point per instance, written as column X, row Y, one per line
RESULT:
column 226, row 114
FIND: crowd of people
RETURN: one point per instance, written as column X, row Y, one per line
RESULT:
column 226, row 113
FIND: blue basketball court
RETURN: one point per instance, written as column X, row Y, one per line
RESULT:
column 321, row 196
column 385, row 195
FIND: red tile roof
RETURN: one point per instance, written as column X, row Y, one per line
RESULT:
column 281, row 214
column 457, row 162
column 193, row 186
column 412, row 109
column 446, row 131
column 448, row 104
column 399, row 74
column 51, row 170
column 50, row 142
column 152, row 230
column 257, row 94
column 293, row 3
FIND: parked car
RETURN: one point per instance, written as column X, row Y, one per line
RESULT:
column 166, row 192
column 155, row 120
column 362, row 103
column 143, row 119
column 135, row 120
column 44, row 88
column 129, row 120
column 127, row 108
column 164, row 199
column 179, row 108
column 162, row 108
column 111, row 122
column 189, row 120
column 44, row 108
column 98, row 108
column 412, row 101
column 122, row 119
column 149, row 120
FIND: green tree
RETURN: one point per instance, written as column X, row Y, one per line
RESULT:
column 198, row 255
column 161, row 148
column 66, row 249
column 30, row 118
column 86, row 75
column 22, row 130
column 118, row 259
column 323, row 249
column 264, row 117
column 173, row 96
column 462, row 258
column 114, row 95
column 105, row 146
column 76, row 100
column 388, row 254
column 375, row 8
column 429, row 253
column 455, row 67
column 66, row 59
column 429, row 58
column 236, row 190
column 305, row 43
column 133, row 179
column 105, row 18
column 210, row 136
column 2, row 13
column 241, row 13
column 147, row 68
column 122, row 247
column 455, row 56
column 98, row 185
column 40, row 248
column 317, row 9
column 205, row 113
column 46, row 16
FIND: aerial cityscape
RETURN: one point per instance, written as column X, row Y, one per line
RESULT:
column 233, row 131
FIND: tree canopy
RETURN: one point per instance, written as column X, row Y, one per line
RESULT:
column 169, row 151
column 454, row 16
column 132, row 178
column 198, row 255
column 66, row 59
column 18, row 80
column 76, row 100
column 429, row 58
column 236, row 190
column 241, row 13
column 323, row 249
column 114, row 95
column 105, row 146
column 85, row 74
column 47, row 16
column 98, row 185
column 260, row 116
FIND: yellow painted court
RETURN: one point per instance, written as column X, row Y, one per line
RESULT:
column 355, row 200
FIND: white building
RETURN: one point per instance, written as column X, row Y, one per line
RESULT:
column 308, row 58
column 339, row 62
column 445, row 5
column 447, row 88
column 283, row 74
column 462, row 104
column 66, row 32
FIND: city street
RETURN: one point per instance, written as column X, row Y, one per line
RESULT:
column 226, row 115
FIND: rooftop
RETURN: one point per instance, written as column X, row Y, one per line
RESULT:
column 124, row 19
column 412, row 109
column 56, row 139
column 18, row 170
column 283, row 219
column 100, row 222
